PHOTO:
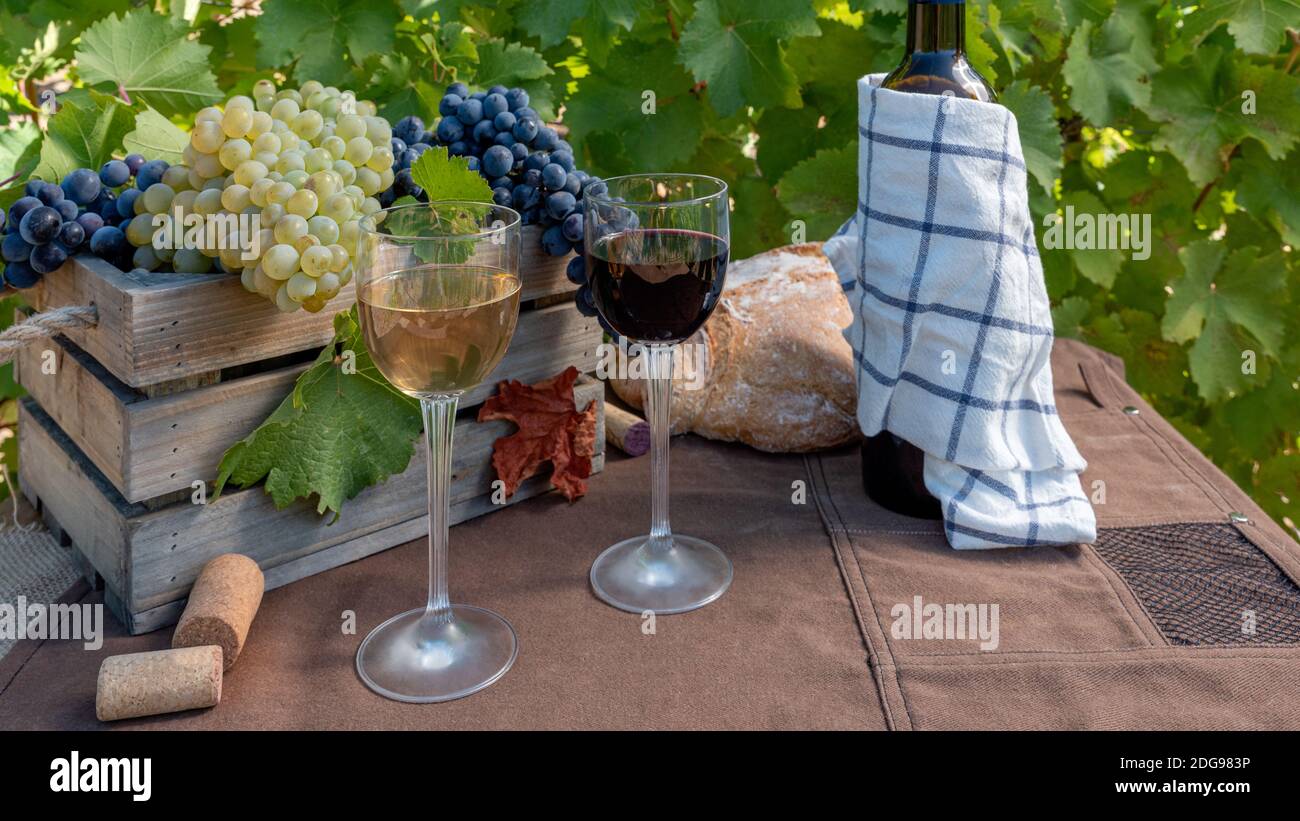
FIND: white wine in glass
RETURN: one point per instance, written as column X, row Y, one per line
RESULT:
column 436, row 329
column 438, row 299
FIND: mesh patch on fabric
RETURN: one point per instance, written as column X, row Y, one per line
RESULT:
column 1205, row 584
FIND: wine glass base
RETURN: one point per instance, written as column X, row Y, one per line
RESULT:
column 414, row 658
column 685, row 577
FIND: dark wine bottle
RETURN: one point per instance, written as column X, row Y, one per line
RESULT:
column 935, row 60
column 934, row 63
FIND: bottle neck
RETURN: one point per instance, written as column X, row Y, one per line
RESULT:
column 936, row 26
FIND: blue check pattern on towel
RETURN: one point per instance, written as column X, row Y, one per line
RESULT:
column 952, row 330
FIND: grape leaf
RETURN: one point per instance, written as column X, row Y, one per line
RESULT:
column 759, row 222
column 1067, row 317
column 12, row 99
column 1256, row 417
column 829, row 116
column 1040, row 137
column 399, row 88
column 1025, row 30
column 20, row 149
column 787, row 136
column 841, row 55
column 1153, row 366
column 1106, row 78
column 34, row 47
column 149, row 57
column 736, row 47
column 334, row 435
column 444, row 177
column 1228, row 305
column 1271, row 190
column 661, row 132
column 512, row 64
column 978, row 36
column 83, row 134
column 156, row 138
column 317, row 34
column 1099, row 265
column 1258, row 26
column 722, row 158
column 822, row 190
column 1277, row 489
column 10, row 195
column 882, row 6
column 1200, row 101
column 1077, row 11
column 598, row 20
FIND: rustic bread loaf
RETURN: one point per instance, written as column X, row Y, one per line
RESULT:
column 774, row 369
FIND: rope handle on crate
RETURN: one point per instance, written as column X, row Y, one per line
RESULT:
column 43, row 326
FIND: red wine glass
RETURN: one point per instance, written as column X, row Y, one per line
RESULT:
column 656, row 250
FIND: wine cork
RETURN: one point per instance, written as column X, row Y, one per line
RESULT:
column 626, row 431
column 222, row 604
column 164, row 681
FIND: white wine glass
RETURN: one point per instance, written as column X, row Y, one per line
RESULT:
column 438, row 298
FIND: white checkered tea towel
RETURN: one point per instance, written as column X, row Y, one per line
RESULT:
column 952, row 330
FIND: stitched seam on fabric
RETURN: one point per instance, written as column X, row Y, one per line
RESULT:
column 1101, row 394
column 885, row 654
column 1270, row 547
column 1112, row 576
column 1080, row 662
column 867, row 532
column 888, row 652
column 1169, row 451
column 875, row 661
column 1202, row 481
column 1167, row 652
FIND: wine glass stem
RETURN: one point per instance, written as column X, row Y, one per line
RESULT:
column 658, row 400
column 439, row 422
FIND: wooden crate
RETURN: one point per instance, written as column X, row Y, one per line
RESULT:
column 148, row 447
column 156, row 328
column 178, row 369
column 148, row 559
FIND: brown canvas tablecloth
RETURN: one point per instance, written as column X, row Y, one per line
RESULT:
column 1138, row 631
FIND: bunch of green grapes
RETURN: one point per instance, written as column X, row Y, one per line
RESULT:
column 309, row 163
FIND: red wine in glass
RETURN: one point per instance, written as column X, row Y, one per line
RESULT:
column 657, row 247
column 657, row 284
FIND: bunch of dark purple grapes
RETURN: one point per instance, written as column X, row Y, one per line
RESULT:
column 529, row 167
column 53, row 222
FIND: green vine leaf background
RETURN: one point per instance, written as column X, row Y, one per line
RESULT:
column 1186, row 113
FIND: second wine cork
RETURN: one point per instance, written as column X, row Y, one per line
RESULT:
column 162, row 681
column 626, row 431
column 222, row 605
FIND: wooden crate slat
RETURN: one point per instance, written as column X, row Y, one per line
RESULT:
column 149, row 447
column 87, row 402
column 87, row 508
column 150, row 558
column 158, row 327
